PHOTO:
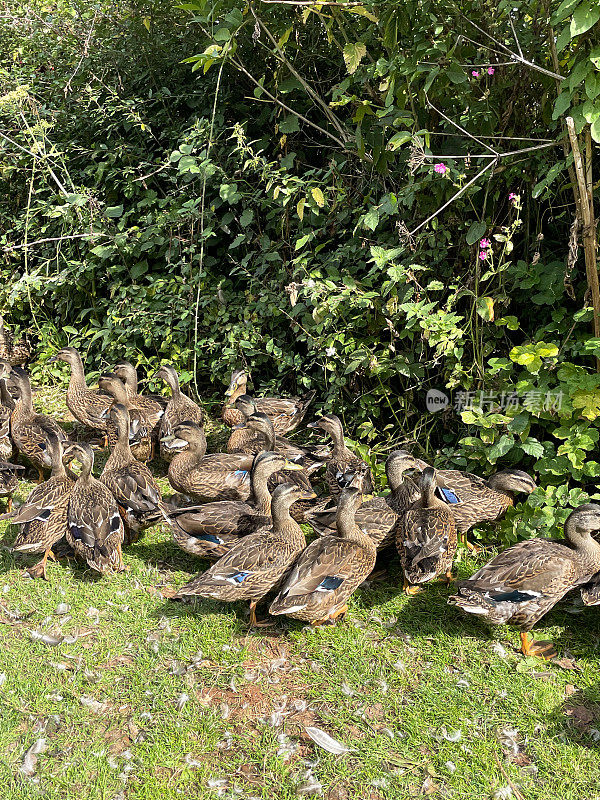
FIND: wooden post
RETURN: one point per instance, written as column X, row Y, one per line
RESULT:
column 587, row 220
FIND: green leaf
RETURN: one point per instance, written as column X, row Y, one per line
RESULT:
column 289, row 124
column 222, row 35
column 318, row 196
column 456, row 73
column 586, row 15
column 595, row 130
column 371, row 219
column 300, row 208
column 485, row 308
column 114, row 211
column 353, row 55
column 562, row 103
column 69, row 329
column 475, row 232
column 247, row 217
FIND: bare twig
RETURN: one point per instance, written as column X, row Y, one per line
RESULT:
column 37, row 157
column 512, row 27
column 84, row 53
column 454, row 197
column 460, row 128
column 27, row 245
column 306, row 86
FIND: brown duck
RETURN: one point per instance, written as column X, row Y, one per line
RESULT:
column 88, row 406
column 212, row 529
column 258, row 562
column 94, row 525
column 250, row 439
column 179, row 409
column 286, row 414
column 151, row 407
column 131, row 482
column 15, row 353
column 329, row 570
column 43, row 516
column 377, row 517
column 140, row 439
column 523, row 583
column 426, row 536
column 30, row 431
column 7, row 405
column 205, row 478
column 344, row 468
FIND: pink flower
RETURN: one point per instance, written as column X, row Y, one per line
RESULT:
column 484, row 244
column 512, row 198
column 483, row 255
column 491, row 70
column 440, row 168
column 475, row 73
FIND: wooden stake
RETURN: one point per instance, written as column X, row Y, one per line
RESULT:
column 586, row 208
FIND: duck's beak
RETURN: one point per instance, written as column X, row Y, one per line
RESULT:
column 51, row 360
column 307, row 496
column 291, row 466
column 315, row 424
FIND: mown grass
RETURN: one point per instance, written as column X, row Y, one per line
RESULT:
column 152, row 700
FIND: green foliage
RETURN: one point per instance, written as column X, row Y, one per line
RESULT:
column 259, row 186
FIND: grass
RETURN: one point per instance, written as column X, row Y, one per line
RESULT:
column 151, row 700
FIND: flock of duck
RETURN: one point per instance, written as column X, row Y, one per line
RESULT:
column 242, row 509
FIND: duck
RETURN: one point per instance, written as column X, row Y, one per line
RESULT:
column 7, row 405
column 474, row 500
column 378, row 516
column 95, row 529
column 286, row 413
column 206, row 478
column 426, row 536
column 9, row 481
column 88, row 406
column 249, row 439
column 590, row 592
column 30, row 431
column 329, row 570
column 140, row 439
column 16, row 353
column 212, row 529
column 43, row 516
column 521, row 584
column 179, row 408
column 136, row 491
column 152, row 408
column 344, row 468
column 257, row 563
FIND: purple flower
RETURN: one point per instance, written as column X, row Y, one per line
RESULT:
column 512, row 198
column 440, row 168
column 475, row 73
column 491, row 70
column 484, row 244
column 483, row 255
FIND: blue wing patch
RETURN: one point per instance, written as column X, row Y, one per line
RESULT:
column 209, row 537
column 238, row 577
column 242, row 473
column 329, row 583
column 448, row 495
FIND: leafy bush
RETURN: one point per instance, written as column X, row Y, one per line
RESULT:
column 218, row 185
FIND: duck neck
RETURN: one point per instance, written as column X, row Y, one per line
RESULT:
column 239, row 391
column 173, row 382
column 339, row 447
column 24, row 402
column 260, row 492
column 286, row 527
column 495, row 483
column 197, row 447
column 58, row 468
column 586, row 546
column 77, row 380
column 269, row 436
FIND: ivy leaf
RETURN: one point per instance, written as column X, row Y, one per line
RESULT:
column 584, row 17
column 353, row 55
column 318, row 196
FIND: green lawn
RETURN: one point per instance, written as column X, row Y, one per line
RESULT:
column 147, row 699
